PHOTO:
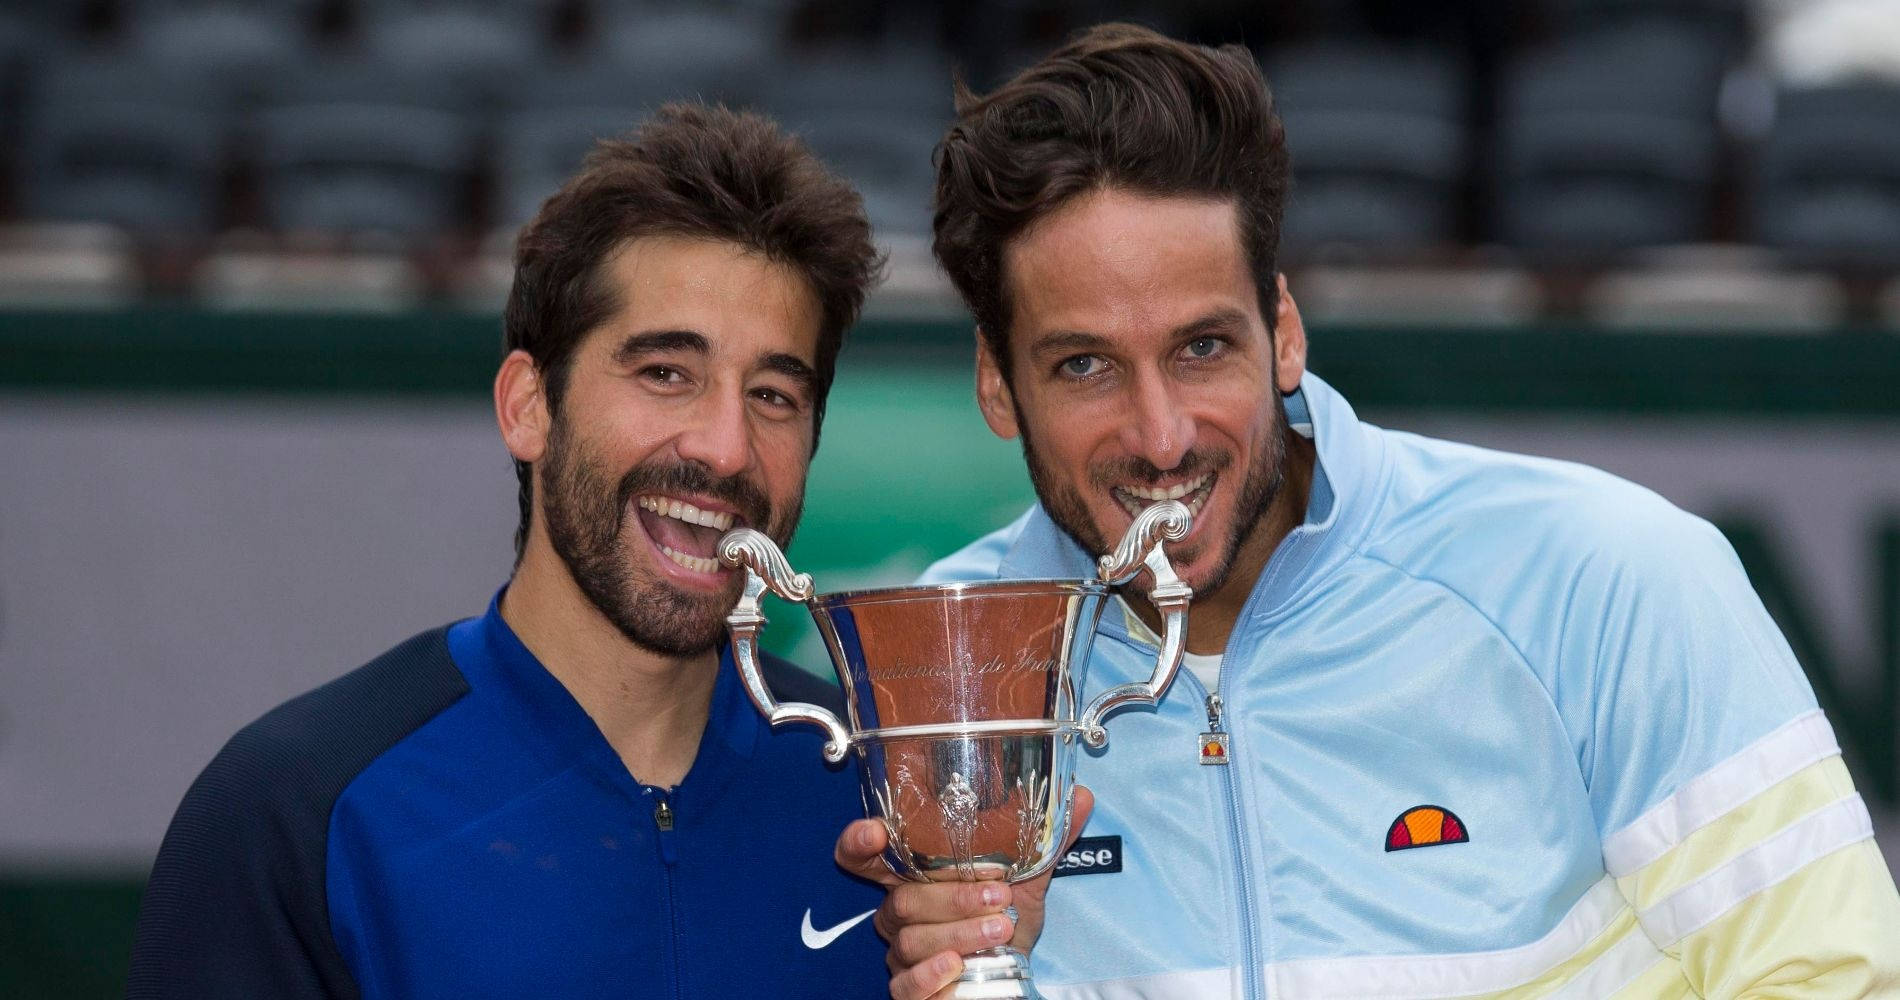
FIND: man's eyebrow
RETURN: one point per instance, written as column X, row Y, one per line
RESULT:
column 640, row 345
column 1215, row 322
column 1065, row 341
column 791, row 367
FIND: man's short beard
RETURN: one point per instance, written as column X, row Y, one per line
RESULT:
column 586, row 521
column 1265, row 477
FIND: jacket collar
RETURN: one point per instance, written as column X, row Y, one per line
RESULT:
column 538, row 701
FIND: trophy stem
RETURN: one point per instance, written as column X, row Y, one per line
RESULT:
column 1001, row 971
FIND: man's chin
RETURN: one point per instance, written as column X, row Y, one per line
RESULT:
column 663, row 618
column 678, row 639
column 1187, row 567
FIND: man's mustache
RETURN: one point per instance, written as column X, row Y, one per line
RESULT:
column 755, row 510
column 1116, row 472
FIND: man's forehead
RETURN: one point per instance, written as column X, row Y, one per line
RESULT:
column 738, row 301
column 692, row 268
column 1122, row 218
column 1118, row 260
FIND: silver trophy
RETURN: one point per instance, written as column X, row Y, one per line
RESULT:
column 963, row 708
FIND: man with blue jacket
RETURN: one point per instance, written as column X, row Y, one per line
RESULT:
column 1453, row 723
column 570, row 795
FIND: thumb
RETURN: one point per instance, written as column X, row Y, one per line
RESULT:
column 1081, row 804
column 860, row 851
column 1028, row 896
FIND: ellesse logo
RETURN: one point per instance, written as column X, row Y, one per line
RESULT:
column 1092, row 856
column 1425, row 826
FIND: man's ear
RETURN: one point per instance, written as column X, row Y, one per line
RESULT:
column 1289, row 342
column 992, row 392
column 521, row 407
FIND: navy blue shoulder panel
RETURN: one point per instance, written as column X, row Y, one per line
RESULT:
column 236, row 905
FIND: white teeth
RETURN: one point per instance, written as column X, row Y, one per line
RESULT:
column 679, row 510
column 683, row 511
column 694, row 563
column 1135, row 499
column 1168, row 493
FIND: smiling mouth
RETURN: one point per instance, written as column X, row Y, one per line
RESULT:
column 1194, row 493
column 683, row 532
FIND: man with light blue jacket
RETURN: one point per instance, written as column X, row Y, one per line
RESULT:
column 1454, row 722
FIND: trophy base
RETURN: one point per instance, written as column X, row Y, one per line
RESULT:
column 996, row 973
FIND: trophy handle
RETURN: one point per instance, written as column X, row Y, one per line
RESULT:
column 766, row 568
column 1167, row 521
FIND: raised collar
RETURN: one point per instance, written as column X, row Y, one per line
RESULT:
column 496, row 661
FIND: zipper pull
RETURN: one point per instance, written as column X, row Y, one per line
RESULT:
column 663, row 816
column 1211, row 748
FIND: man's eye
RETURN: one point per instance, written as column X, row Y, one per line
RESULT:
column 665, row 374
column 1081, row 365
column 773, row 397
column 1204, row 347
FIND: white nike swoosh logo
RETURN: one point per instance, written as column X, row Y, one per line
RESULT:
column 816, row 939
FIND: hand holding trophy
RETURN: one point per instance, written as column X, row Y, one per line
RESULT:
column 963, row 706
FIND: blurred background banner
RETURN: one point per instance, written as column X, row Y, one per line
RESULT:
column 252, row 254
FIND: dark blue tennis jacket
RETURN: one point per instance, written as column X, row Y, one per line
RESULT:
column 447, row 822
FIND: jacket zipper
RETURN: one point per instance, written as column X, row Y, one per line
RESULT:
column 663, row 820
column 1249, row 934
column 1248, row 919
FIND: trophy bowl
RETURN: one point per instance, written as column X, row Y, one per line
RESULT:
column 962, row 703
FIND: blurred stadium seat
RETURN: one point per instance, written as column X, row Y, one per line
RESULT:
column 111, row 139
column 888, row 157
column 1726, row 21
column 1446, row 296
column 15, row 40
column 365, row 147
column 70, row 265
column 1889, row 306
column 1736, row 289
column 233, row 45
column 553, row 115
column 599, row 77
column 535, row 151
column 708, row 51
column 1379, row 145
column 481, row 49
column 14, row 45
column 875, row 116
column 264, row 275
column 482, row 285
column 896, row 79
column 1580, row 137
column 1827, row 183
column 1608, row 140
column 1826, row 42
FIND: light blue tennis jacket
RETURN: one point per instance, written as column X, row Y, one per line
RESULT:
column 1499, row 726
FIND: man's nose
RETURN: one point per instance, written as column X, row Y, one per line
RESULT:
column 1158, row 428
column 718, row 435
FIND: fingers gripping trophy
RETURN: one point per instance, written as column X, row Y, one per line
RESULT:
column 962, row 704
